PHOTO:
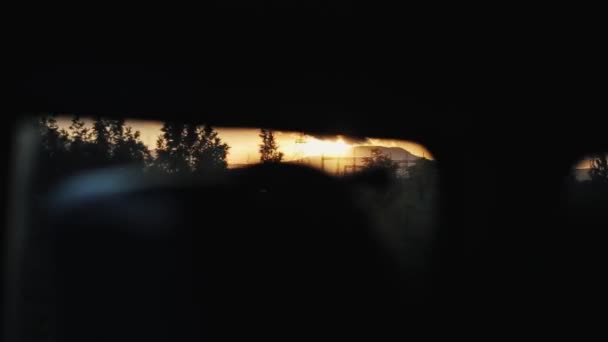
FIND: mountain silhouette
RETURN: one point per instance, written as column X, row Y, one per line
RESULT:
column 355, row 157
column 395, row 153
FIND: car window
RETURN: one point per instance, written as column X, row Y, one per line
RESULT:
column 401, row 208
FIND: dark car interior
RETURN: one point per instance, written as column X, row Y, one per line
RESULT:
column 516, row 250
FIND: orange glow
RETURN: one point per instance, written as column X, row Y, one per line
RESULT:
column 316, row 147
column 244, row 142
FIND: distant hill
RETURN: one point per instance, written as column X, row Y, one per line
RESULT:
column 355, row 158
column 396, row 153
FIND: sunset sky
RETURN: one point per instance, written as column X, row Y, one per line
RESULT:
column 244, row 143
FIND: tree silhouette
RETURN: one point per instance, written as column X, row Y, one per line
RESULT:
column 127, row 147
column 53, row 151
column 189, row 144
column 82, row 151
column 170, row 156
column 379, row 160
column 107, row 142
column 102, row 148
column 181, row 148
column 269, row 149
column 54, row 141
column 209, row 152
column 189, row 148
column 599, row 168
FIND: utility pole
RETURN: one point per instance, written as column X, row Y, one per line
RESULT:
column 338, row 166
column 322, row 162
column 298, row 154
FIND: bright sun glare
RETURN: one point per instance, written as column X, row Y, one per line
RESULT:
column 316, row 147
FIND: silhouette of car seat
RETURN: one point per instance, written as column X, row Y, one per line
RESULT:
column 271, row 251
